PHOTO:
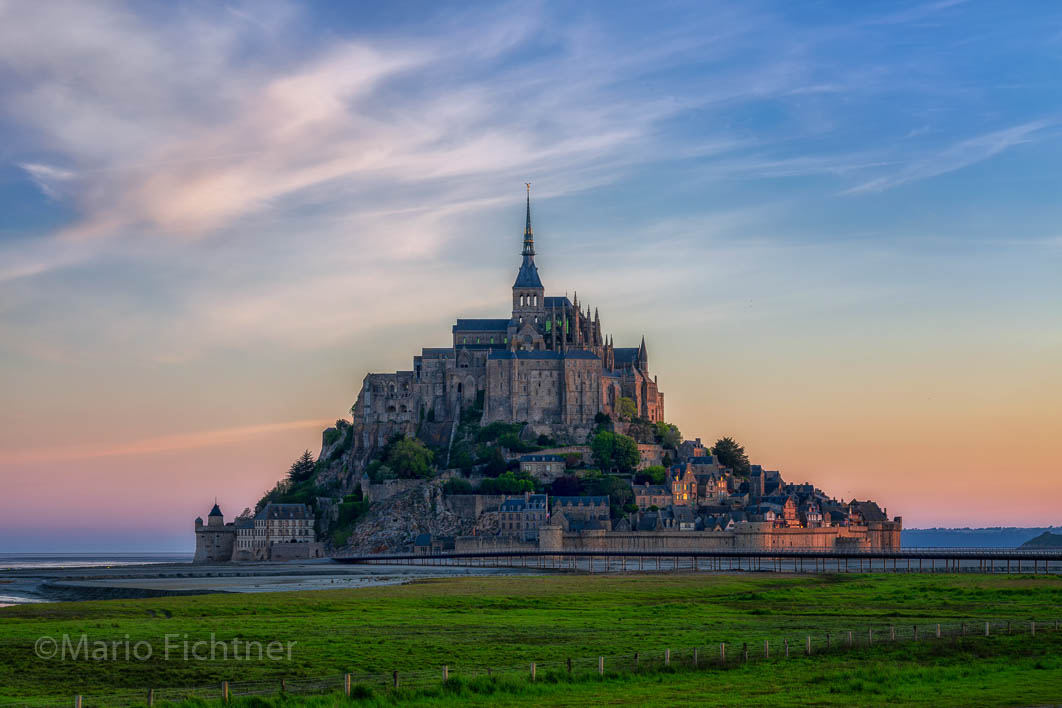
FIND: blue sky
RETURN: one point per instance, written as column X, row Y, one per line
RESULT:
column 837, row 223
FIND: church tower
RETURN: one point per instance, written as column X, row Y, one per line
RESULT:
column 529, row 302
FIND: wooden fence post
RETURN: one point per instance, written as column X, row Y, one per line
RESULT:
column 963, row 629
column 446, row 673
column 532, row 671
column 77, row 700
column 694, row 657
column 283, row 685
column 394, row 679
column 667, row 657
column 1032, row 628
column 786, row 642
column 808, row 647
column 225, row 691
column 766, row 649
column 722, row 652
column 346, row 683
column 986, row 629
column 892, row 634
column 916, row 632
column 849, row 638
column 600, row 666
column 870, row 637
column 938, row 631
column 151, row 696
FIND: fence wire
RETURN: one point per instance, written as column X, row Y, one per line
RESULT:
column 711, row 656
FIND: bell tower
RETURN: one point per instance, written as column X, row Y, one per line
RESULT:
column 529, row 302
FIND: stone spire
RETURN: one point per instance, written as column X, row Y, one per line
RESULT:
column 528, row 275
column 529, row 235
column 643, row 356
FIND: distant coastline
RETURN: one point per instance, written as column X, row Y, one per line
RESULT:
column 986, row 537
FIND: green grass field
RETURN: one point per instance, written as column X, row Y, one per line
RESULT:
column 472, row 623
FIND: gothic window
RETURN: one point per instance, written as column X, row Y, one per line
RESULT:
column 536, row 300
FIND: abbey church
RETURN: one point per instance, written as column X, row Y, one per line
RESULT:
column 548, row 364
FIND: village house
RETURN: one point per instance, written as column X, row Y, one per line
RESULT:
column 651, row 495
column 543, row 467
column 521, row 517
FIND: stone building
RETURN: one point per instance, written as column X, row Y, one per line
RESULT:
column 213, row 540
column 277, row 532
column 521, row 517
column 649, row 495
column 549, row 364
column 543, row 467
column 582, row 512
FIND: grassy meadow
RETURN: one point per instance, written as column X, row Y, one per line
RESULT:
column 472, row 623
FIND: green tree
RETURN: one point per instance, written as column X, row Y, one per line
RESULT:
column 668, row 435
column 409, row 458
column 612, row 451
column 496, row 463
column 626, row 408
column 302, row 469
column 654, row 474
column 457, row 485
column 508, row 483
column 732, row 455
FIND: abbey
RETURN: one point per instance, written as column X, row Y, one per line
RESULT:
column 548, row 364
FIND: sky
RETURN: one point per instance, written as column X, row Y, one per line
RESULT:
column 837, row 225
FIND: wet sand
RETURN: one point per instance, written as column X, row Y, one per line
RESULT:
column 96, row 583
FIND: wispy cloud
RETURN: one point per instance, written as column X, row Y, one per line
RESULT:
column 955, row 157
column 156, row 445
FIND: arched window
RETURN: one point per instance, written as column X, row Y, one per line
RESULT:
column 536, row 300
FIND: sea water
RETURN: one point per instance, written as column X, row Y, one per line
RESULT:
column 22, row 588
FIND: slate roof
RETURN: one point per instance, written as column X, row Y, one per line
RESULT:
column 555, row 301
column 438, row 353
column 528, row 275
column 702, row 460
column 649, row 522
column 538, row 354
column 580, row 501
column 284, row 511
column 515, row 504
column 216, row 511
column 541, row 458
column 472, row 325
column 625, row 355
column 869, row 510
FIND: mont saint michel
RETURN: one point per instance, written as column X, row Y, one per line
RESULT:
column 531, row 431
column 549, row 364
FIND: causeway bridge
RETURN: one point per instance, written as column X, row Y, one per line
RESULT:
column 906, row 560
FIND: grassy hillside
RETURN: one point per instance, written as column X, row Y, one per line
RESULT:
column 470, row 624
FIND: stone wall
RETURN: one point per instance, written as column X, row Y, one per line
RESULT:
column 295, row 551
column 751, row 536
column 470, row 506
column 214, row 543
